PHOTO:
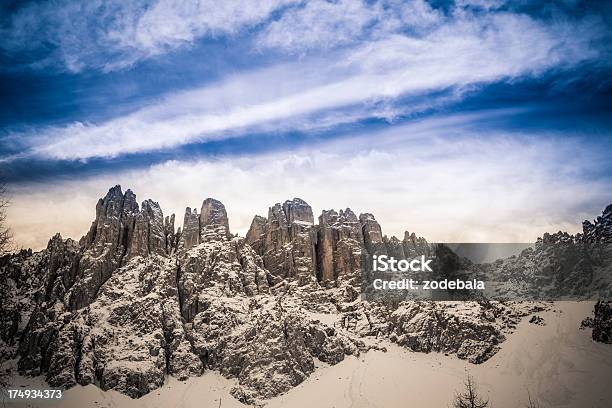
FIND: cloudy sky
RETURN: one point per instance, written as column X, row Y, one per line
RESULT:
column 470, row 120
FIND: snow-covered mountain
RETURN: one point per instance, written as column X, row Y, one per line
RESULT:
column 136, row 300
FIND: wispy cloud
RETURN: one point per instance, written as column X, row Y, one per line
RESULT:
column 115, row 34
column 320, row 25
column 438, row 177
column 464, row 52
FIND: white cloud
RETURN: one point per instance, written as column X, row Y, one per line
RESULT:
column 435, row 177
column 321, row 24
column 456, row 55
column 171, row 23
column 115, row 34
column 484, row 4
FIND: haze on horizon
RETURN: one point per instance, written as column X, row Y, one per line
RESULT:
column 460, row 121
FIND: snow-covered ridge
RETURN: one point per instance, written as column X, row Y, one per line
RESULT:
column 136, row 300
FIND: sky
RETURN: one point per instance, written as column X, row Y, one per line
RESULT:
column 461, row 121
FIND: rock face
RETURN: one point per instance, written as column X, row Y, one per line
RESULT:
column 227, row 267
column 119, row 232
column 170, row 234
column 414, row 246
column 268, row 345
column 210, row 225
column 213, row 221
column 129, row 338
column 601, row 229
column 333, row 253
column 560, row 264
column 372, row 234
column 190, row 234
column 150, row 233
column 256, row 235
column 105, row 244
column 135, row 301
column 602, row 323
column 286, row 241
column 468, row 329
column 340, row 247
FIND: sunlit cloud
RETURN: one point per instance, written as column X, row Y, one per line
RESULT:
column 436, row 177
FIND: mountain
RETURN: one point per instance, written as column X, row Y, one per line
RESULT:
column 136, row 300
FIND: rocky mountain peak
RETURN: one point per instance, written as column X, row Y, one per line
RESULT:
column 256, row 235
column 149, row 235
column 136, row 301
column 113, row 215
column 129, row 204
column 414, row 245
column 409, row 237
column 213, row 221
column 328, row 217
column 394, row 247
column 297, row 210
column 120, row 232
column 190, row 233
column 171, row 235
column 347, row 215
column 285, row 240
column 210, row 225
column 372, row 233
column 342, row 218
column 55, row 240
column 601, row 229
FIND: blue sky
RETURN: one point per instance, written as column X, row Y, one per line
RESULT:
column 492, row 115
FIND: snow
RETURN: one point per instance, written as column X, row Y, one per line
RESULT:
column 557, row 363
column 199, row 392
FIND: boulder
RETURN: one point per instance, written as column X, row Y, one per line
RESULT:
column 602, row 322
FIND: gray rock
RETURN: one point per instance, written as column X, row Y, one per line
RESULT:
column 213, row 221
column 340, row 248
column 286, row 241
column 105, row 244
column 135, row 301
column 256, row 235
column 190, row 234
column 450, row 327
column 149, row 234
column 171, row 237
column 601, row 229
column 602, row 322
column 415, row 246
column 372, row 234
